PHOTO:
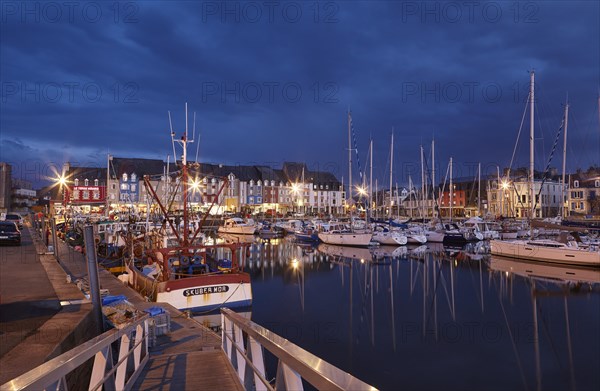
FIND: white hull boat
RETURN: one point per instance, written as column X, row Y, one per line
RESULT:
column 546, row 251
column 346, row 238
column 390, row 238
column 237, row 226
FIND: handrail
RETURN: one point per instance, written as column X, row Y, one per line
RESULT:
column 52, row 374
column 294, row 364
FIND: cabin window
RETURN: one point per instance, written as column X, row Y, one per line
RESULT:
column 95, row 182
column 575, row 183
column 86, row 182
column 76, row 182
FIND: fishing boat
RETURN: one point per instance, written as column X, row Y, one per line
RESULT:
column 190, row 275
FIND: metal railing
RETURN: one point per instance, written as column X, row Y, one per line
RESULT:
column 131, row 346
column 243, row 341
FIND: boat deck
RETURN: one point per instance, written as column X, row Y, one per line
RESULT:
column 187, row 358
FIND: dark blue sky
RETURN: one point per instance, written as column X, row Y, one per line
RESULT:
column 272, row 81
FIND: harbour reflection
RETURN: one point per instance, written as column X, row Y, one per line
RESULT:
column 421, row 316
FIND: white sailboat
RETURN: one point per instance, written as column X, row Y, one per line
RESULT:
column 543, row 250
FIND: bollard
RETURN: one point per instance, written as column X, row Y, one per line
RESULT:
column 54, row 242
column 92, row 266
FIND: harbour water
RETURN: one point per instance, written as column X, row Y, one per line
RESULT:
column 423, row 318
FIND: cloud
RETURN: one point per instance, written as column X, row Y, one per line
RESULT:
column 274, row 89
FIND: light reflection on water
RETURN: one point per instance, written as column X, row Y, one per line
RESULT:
column 429, row 317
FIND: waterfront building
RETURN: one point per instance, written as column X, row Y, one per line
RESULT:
column 5, row 187
column 23, row 195
column 512, row 199
column 250, row 189
column 583, row 195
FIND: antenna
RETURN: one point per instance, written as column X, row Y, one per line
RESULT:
column 172, row 137
column 194, row 129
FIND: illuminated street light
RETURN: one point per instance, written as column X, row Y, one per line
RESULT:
column 194, row 184
column 504, row 185
column 361, row 190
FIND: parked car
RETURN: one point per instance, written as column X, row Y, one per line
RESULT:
column 9, row 233
column 15, row 218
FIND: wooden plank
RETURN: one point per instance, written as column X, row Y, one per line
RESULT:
column 206, row 370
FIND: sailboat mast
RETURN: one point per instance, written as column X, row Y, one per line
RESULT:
column 433, row 178
column 422, row 186
column 410, row 190
column 564, row 162
column 349, row 158
column 451, row 190
column 185, row 180
column 531, row 147
column 479, row 189
column 391, row 170
column 370, row 197
column 108, row 159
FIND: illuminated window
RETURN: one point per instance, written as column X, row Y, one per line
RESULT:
column 86, row 182
column 124, row 177
column 95, row 182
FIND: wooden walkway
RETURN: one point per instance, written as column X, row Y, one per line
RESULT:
column 187, row 358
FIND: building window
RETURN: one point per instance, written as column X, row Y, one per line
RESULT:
column 575, row 184
column 125, row 186
column 124, row 177
column 114, row 186
column 597, row 183
column 133, row 177
column 96, row 195
column 86, row 182
column 112, row 196
column 133, row 187
column 581, row 205
column 95, row 182
column 76, row 182
column 86, row 195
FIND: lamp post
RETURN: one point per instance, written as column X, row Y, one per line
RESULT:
column 362, row 192
column 295, row 191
